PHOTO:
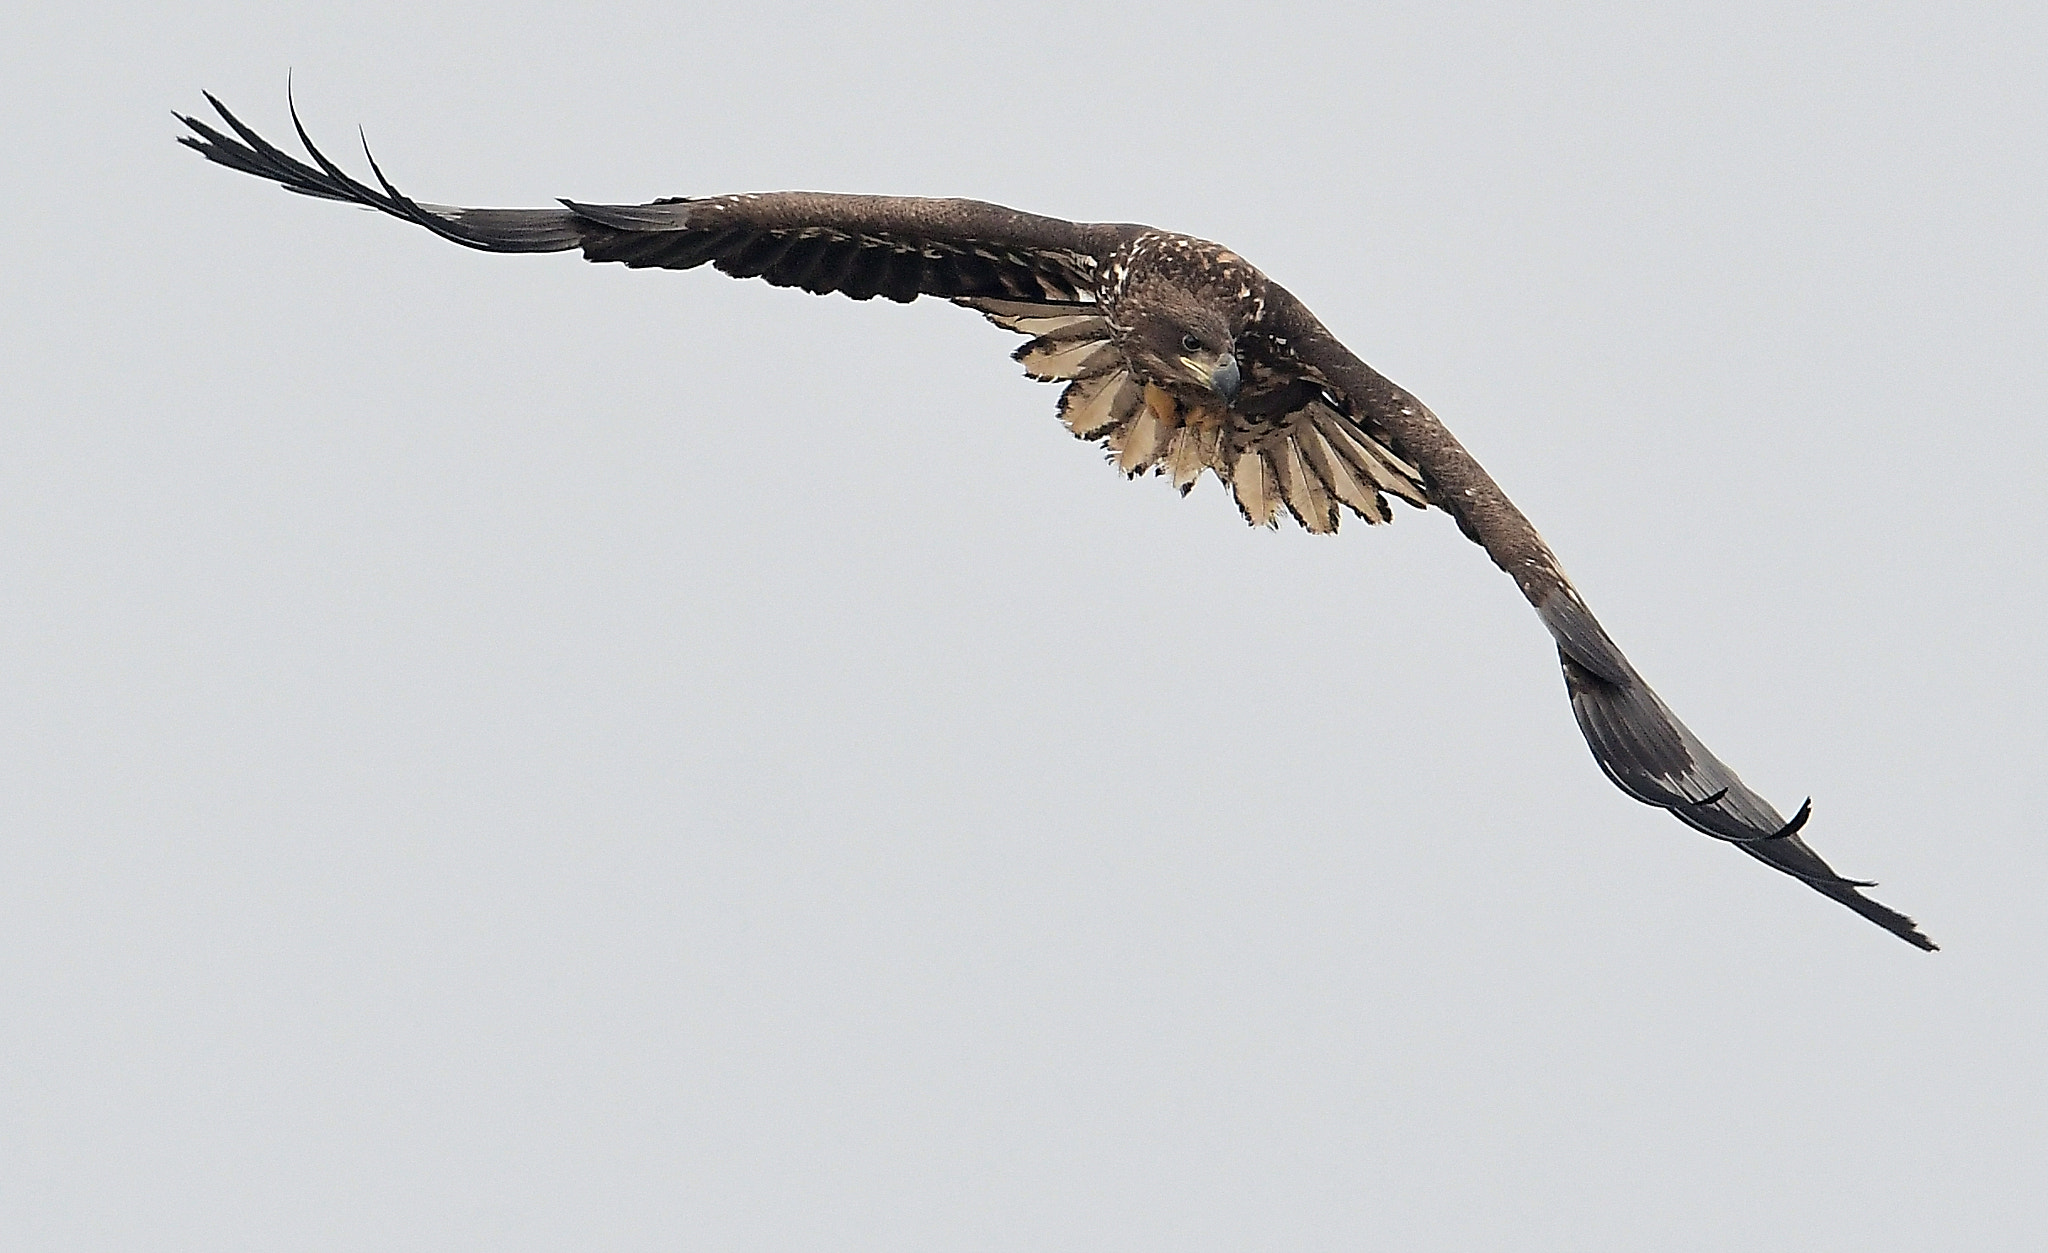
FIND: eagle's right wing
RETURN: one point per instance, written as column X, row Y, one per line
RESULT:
column 1640, row 744
column 901, row 247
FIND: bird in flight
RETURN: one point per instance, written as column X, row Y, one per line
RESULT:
column 1180, row 359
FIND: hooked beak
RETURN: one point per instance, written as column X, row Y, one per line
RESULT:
column 1223, row 377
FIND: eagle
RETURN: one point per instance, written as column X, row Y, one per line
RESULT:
column 1179, row 358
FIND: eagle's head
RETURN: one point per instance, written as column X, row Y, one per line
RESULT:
column 1179, row 307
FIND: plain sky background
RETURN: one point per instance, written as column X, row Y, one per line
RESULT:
column 502, row 753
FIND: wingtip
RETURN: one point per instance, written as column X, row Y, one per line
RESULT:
column 1644, row 749
column 1906, row 929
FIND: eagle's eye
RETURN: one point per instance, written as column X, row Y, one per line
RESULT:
column 1189, row 343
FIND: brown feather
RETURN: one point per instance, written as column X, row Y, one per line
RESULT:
column 1251, row 479
column 1303, row 490
column 1338, row 476
column 1092, row 406
column 1144, row 439
column 1184, row 460
column 1377, row 463
column 1051, row 358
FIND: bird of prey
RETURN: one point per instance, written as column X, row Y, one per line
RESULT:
column 1180, row 359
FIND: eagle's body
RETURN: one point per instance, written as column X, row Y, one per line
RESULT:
column 1180, row 358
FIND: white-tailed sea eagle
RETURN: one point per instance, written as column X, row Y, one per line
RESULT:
column 1178, row 357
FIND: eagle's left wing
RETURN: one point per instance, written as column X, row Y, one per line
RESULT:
column 1640, row 744
column 901, row 247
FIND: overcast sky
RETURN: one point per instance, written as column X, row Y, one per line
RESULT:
column 504, row 753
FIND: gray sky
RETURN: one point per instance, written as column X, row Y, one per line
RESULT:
column 505, row 753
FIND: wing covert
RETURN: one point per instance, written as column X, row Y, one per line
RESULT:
column 1289, row 443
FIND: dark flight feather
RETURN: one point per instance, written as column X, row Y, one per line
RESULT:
column 1313, row 432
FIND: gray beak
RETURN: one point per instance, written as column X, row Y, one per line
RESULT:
column 1223, row 380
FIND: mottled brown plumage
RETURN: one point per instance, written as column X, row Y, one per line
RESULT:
column 1179, row 358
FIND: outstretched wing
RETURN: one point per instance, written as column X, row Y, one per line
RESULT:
column 1287, row 442
column 860, row 246
column 1638, row 741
